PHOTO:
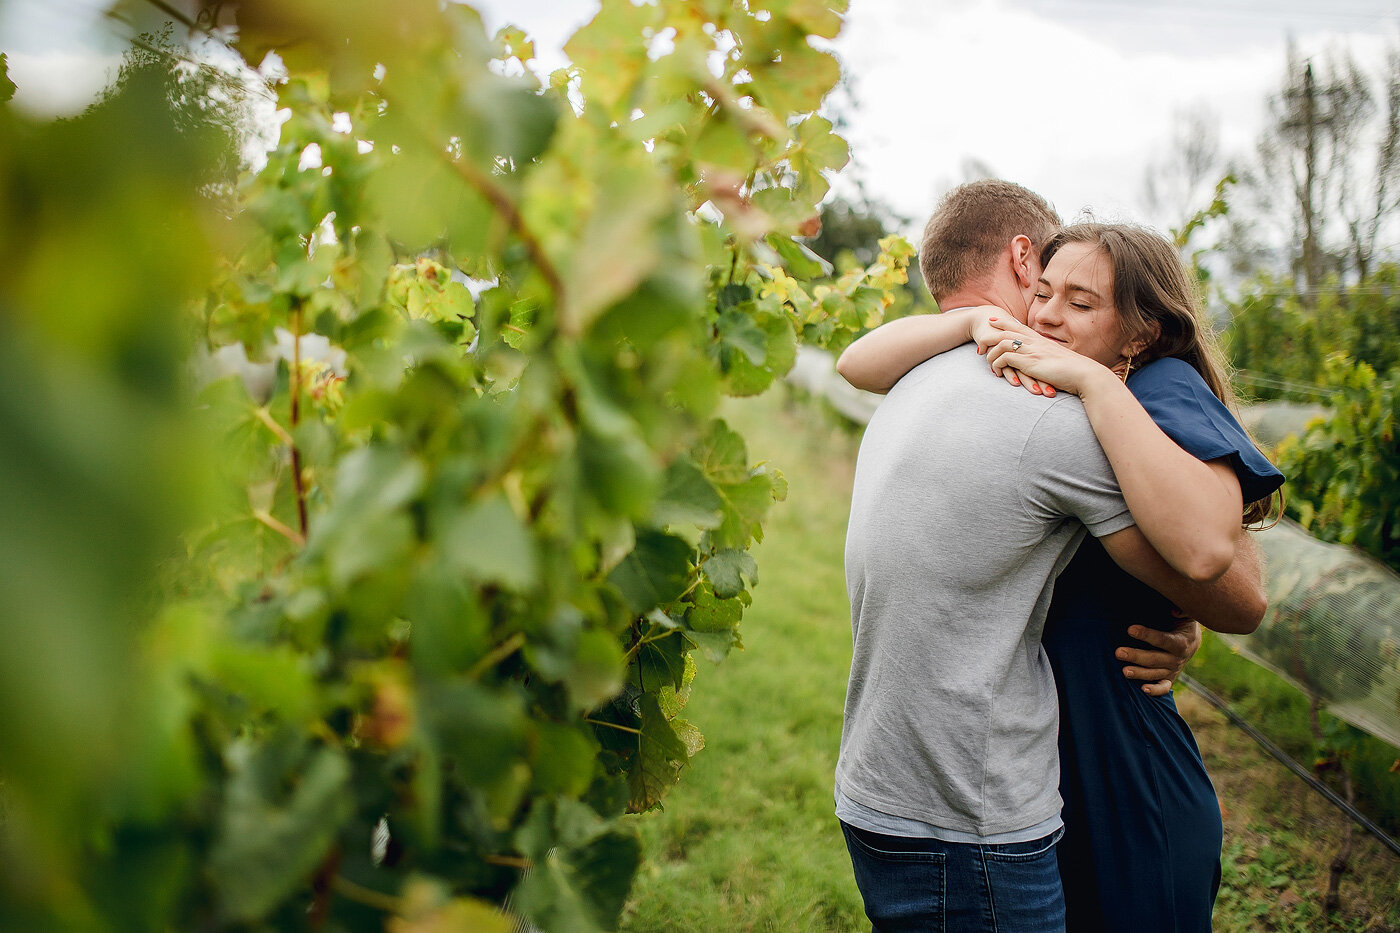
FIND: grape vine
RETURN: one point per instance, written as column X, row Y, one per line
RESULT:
column 458, row 509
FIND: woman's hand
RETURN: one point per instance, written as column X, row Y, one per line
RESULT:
column 985, row 332
column 1011, row 344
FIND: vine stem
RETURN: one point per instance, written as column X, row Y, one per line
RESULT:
column 496, row 655
column 297, row 483
column 322, row 885
column 266, row 418
column 367, row 896
column 509, row 861
column 612, row 725
column 504, row 206
column 501, row 202
column 646, row 640
column 286, row 531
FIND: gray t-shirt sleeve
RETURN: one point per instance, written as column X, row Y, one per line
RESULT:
column 1065, row 473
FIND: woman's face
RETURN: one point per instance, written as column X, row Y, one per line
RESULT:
column 1073, row 304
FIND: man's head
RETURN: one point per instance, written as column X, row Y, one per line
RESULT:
column 986, row 237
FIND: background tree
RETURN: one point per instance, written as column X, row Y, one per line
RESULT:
column 1337, row 162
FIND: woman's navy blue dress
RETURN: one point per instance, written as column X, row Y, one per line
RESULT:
column 1141, row 849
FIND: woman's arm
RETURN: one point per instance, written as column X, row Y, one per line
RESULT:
column 1189, row 510
column 879, row 359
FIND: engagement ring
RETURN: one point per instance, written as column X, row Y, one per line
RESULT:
column 1015, row 344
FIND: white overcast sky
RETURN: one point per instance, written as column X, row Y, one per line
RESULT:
column 1073, row 98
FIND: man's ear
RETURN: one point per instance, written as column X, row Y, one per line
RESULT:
column 1022, row 254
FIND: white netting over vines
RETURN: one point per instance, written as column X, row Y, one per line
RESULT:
column 1332, row 629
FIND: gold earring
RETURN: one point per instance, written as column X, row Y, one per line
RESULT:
column 1129, row 368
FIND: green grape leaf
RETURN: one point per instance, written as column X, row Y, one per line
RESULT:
column 818, row 148
column 800, row 261
column 500, row 117
column 690, row 735
column 661, row 662
column 687, row 497
column 722, row 455
column 428, row 907
column 713, row 623
column 588, row 662
column 275, row 679
column 366, row 542
column 732, row 296
column 449, row 626
column 655, row 572
column 489, row 541
column 482, row 731
column 611, row 51
column 660, row 755
column 723, row 144
column 618, row 245
column 740, row 336
column 779, row 354
column 563, row 759
column 745, row 505
column 789, row 75
column 814, row 17
column 726, row 570
column 283, row 806
column 512, row 42
column 582, row 870
column 619, row 471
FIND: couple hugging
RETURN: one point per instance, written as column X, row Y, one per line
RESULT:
column 1012, row 542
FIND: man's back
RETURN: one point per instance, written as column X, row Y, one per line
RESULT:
column 968, row 500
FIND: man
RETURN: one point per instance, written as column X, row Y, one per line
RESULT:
column 970, row 497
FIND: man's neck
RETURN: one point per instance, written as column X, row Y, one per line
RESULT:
column 969, row 297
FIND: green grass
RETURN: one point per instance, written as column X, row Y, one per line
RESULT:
column 748, row 840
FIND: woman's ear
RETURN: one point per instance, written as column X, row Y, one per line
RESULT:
column 1141, row 342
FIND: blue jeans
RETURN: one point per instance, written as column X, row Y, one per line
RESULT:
column 932, row 886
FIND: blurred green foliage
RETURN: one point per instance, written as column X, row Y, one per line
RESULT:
column 850, row 237
column 431, row 404
column 1283, row 346
column 1344, row 470
column 102, row 465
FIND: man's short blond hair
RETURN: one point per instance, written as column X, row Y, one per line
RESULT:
column 972, row 225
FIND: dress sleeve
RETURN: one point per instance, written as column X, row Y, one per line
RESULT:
column 1186, row 410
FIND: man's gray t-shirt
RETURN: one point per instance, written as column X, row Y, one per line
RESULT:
column 970, row 497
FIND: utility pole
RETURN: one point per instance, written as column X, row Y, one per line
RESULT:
column 1312, row 272
column 1308, row 118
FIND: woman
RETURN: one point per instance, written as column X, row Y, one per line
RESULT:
column 1143, row 833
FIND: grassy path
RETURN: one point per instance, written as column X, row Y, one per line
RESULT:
column 748, row 840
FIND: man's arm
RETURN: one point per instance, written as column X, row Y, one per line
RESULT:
column 1233, row 604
